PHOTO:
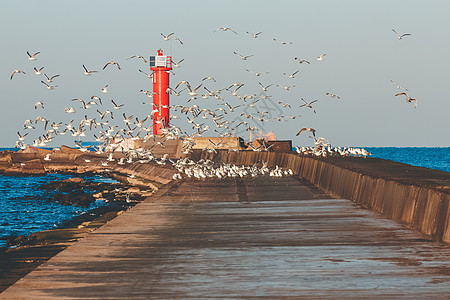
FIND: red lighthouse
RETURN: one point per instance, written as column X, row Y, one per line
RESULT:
column 161, row 66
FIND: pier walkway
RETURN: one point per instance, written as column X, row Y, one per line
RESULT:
column 244, row 238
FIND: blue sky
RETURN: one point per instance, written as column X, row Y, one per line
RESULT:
column 363, row 55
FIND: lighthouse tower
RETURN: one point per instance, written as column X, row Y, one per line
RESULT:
column 161, row 66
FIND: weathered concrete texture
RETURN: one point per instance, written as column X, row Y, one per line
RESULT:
column 416, row 197
column 256, row 237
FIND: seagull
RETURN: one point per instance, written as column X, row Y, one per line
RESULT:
column 47, row 157
column 50, row 79
column 115, row 105
column 409, row 99
column 256, row 73
column 50, row 87
column 225, row 29
column 32, row 57
column 287, row 88
column 265, row 87
column 39, row 103
column 177, row 65
column 88, row 73
column 209, row 77
column 22, row 137
column 167, row 37
column 332, row 95
column 176, row 38
column 321, row 57
column 312, row 130
column 112, row 63
column 97, row 98
column 15, row 72
column 398, row 86
column 400, row 36
column 38, row 71
column 105, row 89
column 148, row 75
column 300, row 61
column 70, row 110
column 309, row 104
column 138, row 56
column 292, row 75
column 254, row 35
column 243, row 57
column 282, row 42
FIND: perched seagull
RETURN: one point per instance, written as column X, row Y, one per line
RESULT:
column 291, row 75
column 112, row 63
column 138, row 56
column 300, row 61
column 50, row 87
column 50, row 79
column 398, row 86
column 177, row 65
column 312, row 130
column 409, row 99
column 15, row 72
column 115, row 105
column 309, row 104
column 105, row 89
column 167, row 37
column 321, row 57
column 32, row 57
column 47, row 157
column 254, row 35
column 225, row 29
column 282, row 42
column 242, row 57
column 88, row 73
column 332, row 95
column 38, row 71
column 39, row 103
column 400, row 36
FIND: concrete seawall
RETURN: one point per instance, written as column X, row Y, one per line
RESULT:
column 422, row 205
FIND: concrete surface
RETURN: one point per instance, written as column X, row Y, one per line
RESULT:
column 257, row 237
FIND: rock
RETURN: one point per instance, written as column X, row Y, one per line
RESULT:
column 134, row 190
column 64, row 186
column 78, row 198
column 31, row 167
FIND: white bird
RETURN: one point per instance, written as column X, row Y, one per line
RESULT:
column 138, row 56
column 146, row 74
column 400, row 36
column 209, row 77
column 177, row 65
column 50, row 87
column 47, row 157
column 167, row 37
column 409, row 99
column 312, row 130
column 15, row 72
column 39, row 103
column 32, row 57
column 291, row 75
column 300, row 61
column 256, row 73
column 254, row 35
column 242, row 56
column 112, row 63
column 50, row 79
column 225, row 29
column 309, row 104
column 282, row 42
column 115, row 105
column 332, row 95
column 287, row 88
column 70, row 110
column 88, row 73
column 105, row 89
column 265, row 87
column 398, row 86
column 321, row 56
column 38, row 71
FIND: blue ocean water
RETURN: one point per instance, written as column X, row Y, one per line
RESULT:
column 437, row 158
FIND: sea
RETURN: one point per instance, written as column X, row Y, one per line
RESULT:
column 24, row 209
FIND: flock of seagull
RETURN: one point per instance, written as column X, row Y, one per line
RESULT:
column 233, row 111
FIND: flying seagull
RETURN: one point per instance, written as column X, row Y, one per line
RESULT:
column 312, row 130
column 112, row 63
column 409, row 99
column 138, row 56
column 88, row 73
column 400, row 36
column 242, row 56
column 225, row 29
column 15, row 72
column 254, row 35
column 32, row 57
column 321, row 56
column 167, row 37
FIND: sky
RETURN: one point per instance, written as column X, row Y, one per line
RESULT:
column 363, row 55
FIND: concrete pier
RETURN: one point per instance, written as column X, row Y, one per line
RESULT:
column 244, row 238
